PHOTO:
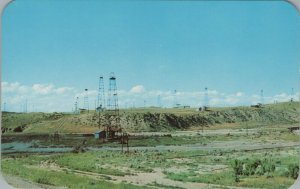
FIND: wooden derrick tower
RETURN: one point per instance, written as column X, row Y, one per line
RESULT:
column 114, row 127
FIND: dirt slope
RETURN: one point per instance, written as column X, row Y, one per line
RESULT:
column 151, row 119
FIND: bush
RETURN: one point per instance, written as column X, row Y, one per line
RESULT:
column 250, row 167
column 43, row 180
column 237, row 166
column 268, row 166
column 293, row 170
column 259, row 170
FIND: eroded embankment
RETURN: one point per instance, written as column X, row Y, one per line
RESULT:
column 159, row 119
column 172, row 121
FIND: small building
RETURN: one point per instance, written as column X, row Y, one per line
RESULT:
column 81, row 110
column 100, row 134
column 258, row 105
column 205, row 108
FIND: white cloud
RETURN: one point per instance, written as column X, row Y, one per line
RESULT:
column 63, row 90
column 48, row 97
column 283, row 97
column 39, row 97
column 239, row 94
column 90, row 93
column 15, row 87
column 212, row 92
column 42, row 89
column 231, row 100
column 214, row 102
column 137, row 89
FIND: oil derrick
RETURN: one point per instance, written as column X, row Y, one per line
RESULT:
column 100, row 105
column 206, row 100
column 262, row 97
column 76, row 110
column 101, row 96
column 25, row 106
column 4, row 107
column 158, row 101
column 175, row 103
column 114, row 125
column 292, row 95
column 86, row 100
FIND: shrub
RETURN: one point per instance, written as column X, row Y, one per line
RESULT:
column 43, row 180
column 259, row 170
column 268, row 166
column 293, row 170
column 250, row 167
column 237, row 168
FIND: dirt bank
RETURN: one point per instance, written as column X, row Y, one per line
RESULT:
column 149, row 120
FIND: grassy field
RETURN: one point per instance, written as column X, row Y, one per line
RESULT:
column 122, row 170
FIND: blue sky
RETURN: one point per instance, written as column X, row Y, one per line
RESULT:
column 153, row 47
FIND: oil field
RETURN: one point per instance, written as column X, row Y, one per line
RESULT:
column 150, row 94
column 233, row 147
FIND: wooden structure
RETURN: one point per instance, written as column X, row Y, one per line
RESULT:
column 291, row 129
column 109, row 117
column 124, row 141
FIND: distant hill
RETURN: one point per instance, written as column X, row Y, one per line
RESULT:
column 150, row 119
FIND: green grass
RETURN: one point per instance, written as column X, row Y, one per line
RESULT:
column 223, row 178
column 87, row 162
column 116, row 163
column 66, row 179
column 135, row 161
column 226, row 178
column 265, row 182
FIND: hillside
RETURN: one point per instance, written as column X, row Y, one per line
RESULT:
column 150, row 119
